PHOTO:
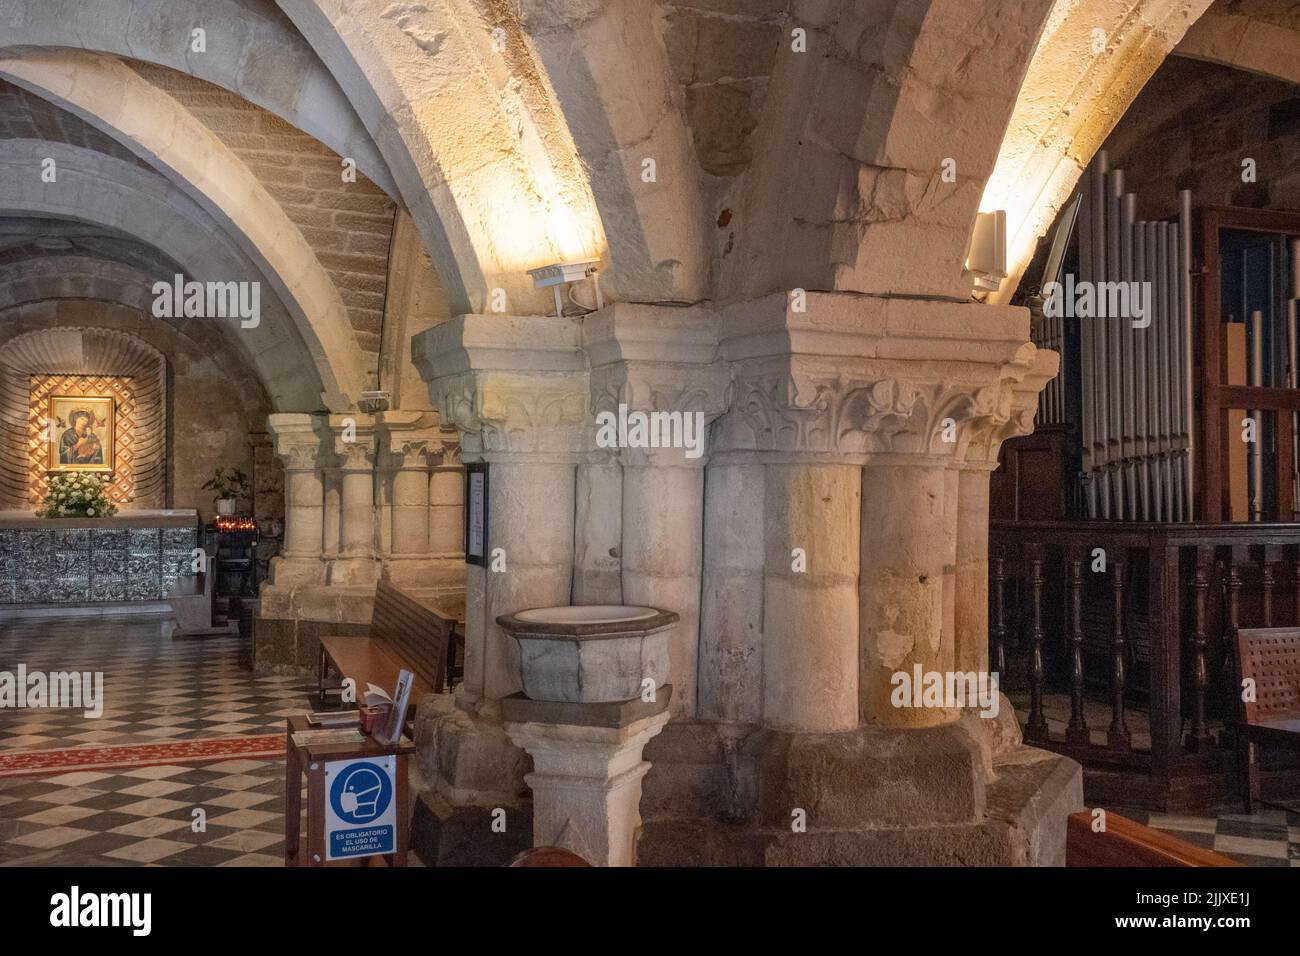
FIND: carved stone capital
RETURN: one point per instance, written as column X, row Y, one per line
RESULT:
column 659, row 364
column 509, row 385
column 297, row 440
column 1016, row 407
column 412, row 440
column 860, row 377
column 352, row 442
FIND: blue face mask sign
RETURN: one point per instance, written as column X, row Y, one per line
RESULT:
column 360, row 819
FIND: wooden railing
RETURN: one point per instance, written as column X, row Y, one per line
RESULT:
column 1139, row 618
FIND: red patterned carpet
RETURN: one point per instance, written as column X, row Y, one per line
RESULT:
column 33, row 763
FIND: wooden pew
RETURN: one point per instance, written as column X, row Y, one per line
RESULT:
column 1270, row 656
column 1128, row 843
column 405, row 634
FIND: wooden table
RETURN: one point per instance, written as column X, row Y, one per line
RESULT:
column 311, row 759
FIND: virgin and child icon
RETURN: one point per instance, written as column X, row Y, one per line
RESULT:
column 84, row 425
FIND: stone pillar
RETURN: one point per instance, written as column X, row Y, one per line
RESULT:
column 840, row 460
column 298, row 446
column 447, row 505
column 977, row 457
column 731, row 612
column 355, row 449
column 972, row 576
column 660, row 363
column 332, row 515
column 516, row 389
column 598, row 538
column 411, row 444
column 907, row 543
column 810, row 600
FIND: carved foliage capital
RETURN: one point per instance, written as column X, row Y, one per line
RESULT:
column 510, row 412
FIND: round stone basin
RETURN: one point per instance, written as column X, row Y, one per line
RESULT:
column 598, row 653
column 585, row 614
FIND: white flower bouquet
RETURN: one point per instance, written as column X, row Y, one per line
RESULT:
column 77, row 495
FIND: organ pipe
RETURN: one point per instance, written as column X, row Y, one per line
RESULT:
column 1135, row 376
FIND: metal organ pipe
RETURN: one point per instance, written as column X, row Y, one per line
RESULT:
column 1101, row 392
column 1185, row 332
column 1115, row 345
column 1087, row 374
column 1256, row 415
column 1135, row 381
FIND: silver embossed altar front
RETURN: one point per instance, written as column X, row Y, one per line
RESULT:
column 132, row 556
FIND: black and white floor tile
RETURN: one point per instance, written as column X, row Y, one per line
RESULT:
column 156, row 690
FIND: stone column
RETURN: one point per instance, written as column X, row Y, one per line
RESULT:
column 810, row 601
column 447, row 505
column 908, row 546
column 411, row 444
column 516, row 389
column 780, row 614
column 298, row 445
column 332, row 515
column 981, row 442
column 355, row 449
column 847, row 419
column 660, row 363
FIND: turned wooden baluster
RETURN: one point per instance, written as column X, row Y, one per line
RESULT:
column 1295, row 571
column 1118, row 737
column 1269, row 583
column 1037, row 726
column 1077, row 732
column 1200, row 737
column 1000, row 617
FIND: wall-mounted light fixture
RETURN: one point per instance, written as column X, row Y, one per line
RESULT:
column 563, row 273
column 986, row 258
column 374, row 402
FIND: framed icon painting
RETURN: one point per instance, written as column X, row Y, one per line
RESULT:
column 81, row 432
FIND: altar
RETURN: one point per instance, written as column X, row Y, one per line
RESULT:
column 133, row 556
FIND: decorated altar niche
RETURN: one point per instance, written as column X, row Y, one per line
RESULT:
column 83, row 423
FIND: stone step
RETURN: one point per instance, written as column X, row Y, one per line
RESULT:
column 1023, row 823
column 689, row 776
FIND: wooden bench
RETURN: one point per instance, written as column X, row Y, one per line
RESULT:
column 1269, row 656
column 405, row 634
column 1126, row 842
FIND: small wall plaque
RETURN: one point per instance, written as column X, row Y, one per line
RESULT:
column 476, row 513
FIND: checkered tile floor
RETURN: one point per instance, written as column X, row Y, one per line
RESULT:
column 146, row 816
column 1264, row 838
column 155, row 690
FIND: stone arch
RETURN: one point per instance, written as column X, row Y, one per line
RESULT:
column 612, row 80
column 1244, row 43
column 1070, row 101
column 108, row 192
column 111, row 97
column 251, row 51
column 481, row 155
column 51, row 279
column 82, row 351
column 847, row 191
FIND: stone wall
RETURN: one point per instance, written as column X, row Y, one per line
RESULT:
column 1192, row 127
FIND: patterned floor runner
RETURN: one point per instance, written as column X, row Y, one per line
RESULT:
column 31, row 763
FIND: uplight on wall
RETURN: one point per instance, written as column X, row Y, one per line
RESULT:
column 563, row 273
column 986, row 258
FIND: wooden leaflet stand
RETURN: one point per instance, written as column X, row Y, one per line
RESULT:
column 311, row 759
